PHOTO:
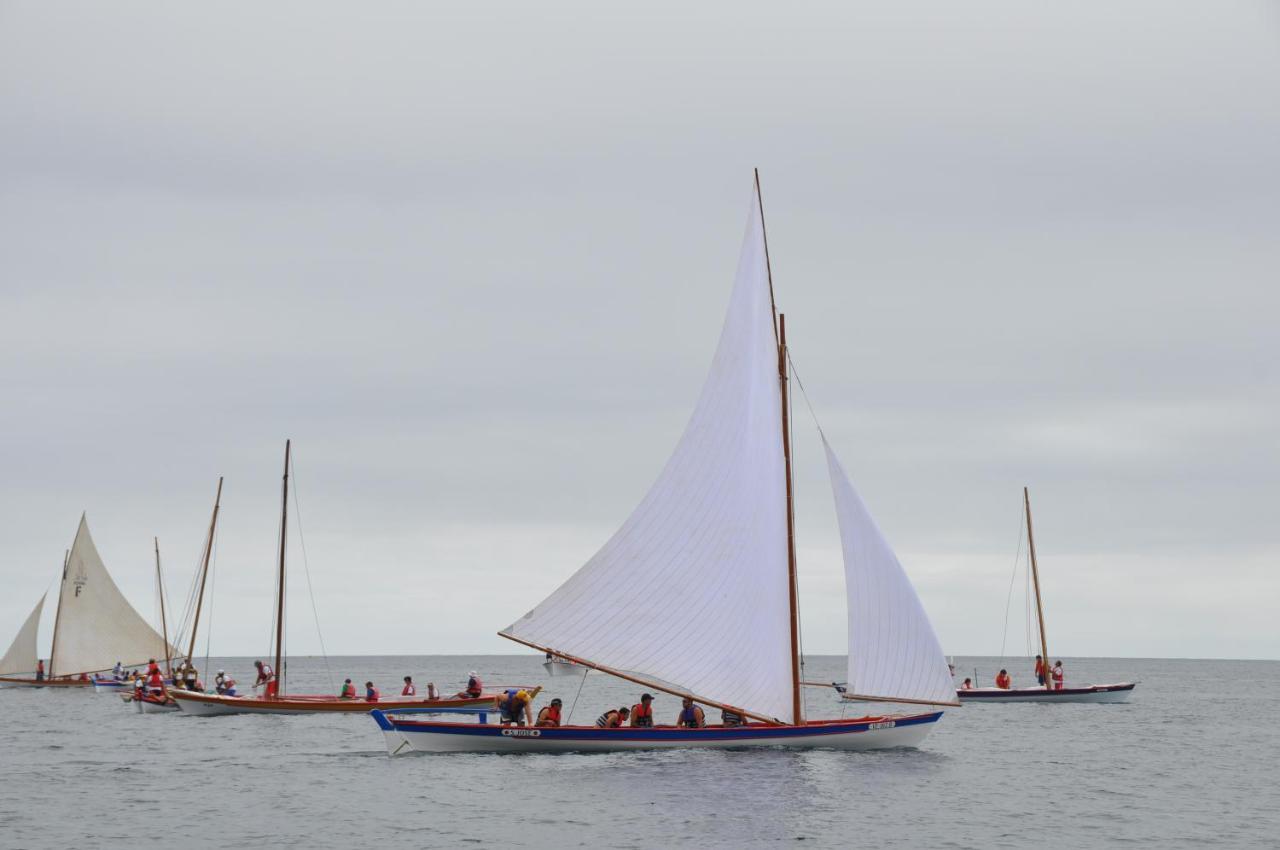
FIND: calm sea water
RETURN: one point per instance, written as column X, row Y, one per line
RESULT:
column 1193, row 759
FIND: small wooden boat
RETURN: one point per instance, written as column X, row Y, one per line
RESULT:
column 207, row 705
column 1084, row 693
column 695, row 595
column 103, row 684
column 94, row 627
column 1047, row 692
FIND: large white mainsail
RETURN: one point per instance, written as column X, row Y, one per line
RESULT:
column 96, row 625
column 893, row 651
column 22, row 655
column 692, row 591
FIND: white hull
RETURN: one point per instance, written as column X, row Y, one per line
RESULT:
column 1086, row 693
column 564, row 668
column 873, row 734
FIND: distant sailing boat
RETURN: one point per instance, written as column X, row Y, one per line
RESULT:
column 95, row 626
column 208, row 705
column 1118, row 692
column 144, row 702
column 695, row 595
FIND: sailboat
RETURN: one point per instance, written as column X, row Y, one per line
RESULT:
column 210, row 705
column 695, row 595
column 1118, row 692
column 147, row 703
column 94, row 627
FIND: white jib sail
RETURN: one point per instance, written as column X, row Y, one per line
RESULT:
column 692, row 591
column 96, row 625
column 21, row 658
column 893, row 651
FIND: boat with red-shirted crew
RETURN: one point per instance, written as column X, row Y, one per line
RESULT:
column 94, row 628
column 695, row 595
column 1053, row 686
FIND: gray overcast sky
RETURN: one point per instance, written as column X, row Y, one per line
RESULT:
column 473, row 259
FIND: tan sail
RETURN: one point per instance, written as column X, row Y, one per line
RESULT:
column 22, row 655
column 96, row 625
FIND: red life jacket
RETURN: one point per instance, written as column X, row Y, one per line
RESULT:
column 549, row 716
column 1039, row 667
column 474, row 686
column 1057, row 677
column 348, row 691
column 409, row 691
column 372, row 695
column 642, row 714
column 1003, row 681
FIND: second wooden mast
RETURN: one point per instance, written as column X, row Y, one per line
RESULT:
column 204, row 570
column 284, row 522
column 1035, row 578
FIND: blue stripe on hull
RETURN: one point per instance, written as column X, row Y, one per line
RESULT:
column 753, row 732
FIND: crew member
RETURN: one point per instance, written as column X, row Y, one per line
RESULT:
column 267, row 677
column 1059, row 677
column 691, row 716
column 474, row 686
column 729, row 717
column 192, row 678
column 642, row 712
column 1003, row 682
column 432, row 693
column 550, row 714
column 371, row 693
column 409, row 690
column 224, row 684
column 155, row 681
column 348, row 690
column 967, row 686
column 1040, row 670
column 39, row 669
column 613, row 718
column 117, row 672
column 514, row 707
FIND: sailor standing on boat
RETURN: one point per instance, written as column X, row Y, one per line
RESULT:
column 1040, row 670
column 1059, row 678
column 267, row 677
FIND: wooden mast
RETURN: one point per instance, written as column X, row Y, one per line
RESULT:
column 57, row 614
column 284, row 521
column 164, row 625
column 204, row 571
column 1035, row 577
column 780, row 333
column 792, row 590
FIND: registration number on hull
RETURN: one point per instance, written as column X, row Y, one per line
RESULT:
column 883, row 724
column 522, row 733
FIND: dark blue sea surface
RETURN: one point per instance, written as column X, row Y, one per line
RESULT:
column 1192, row 760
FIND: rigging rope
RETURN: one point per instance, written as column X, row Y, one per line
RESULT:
column 302, row 541
column 1017, row 557
column 569, row 721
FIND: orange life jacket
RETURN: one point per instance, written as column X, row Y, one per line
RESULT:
column 1003, row 681
column 642, row 714
column 549, row 716
column 348, row 691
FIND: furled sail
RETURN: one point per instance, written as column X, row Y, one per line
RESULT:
column 893, row 651
column 96, row 625
column 692, row 591
column 21, row 657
